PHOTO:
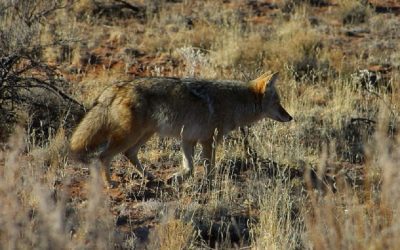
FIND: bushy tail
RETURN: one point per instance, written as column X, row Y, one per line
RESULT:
column 91, row 131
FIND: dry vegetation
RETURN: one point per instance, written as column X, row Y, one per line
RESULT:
column 328, row 180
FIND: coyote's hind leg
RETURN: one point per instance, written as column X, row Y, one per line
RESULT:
column 132, row 152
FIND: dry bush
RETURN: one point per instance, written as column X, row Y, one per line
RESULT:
column 302, row 53
column 172, row 234
column 217, row 32
column 354, row 11
column 234, row 49
column 386, row 29
column 26, row 82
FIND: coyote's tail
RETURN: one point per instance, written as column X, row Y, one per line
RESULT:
column 91, row 131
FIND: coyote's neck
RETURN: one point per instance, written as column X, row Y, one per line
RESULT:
column 247, row 112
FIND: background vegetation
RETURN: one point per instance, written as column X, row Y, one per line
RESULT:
column 327, row 180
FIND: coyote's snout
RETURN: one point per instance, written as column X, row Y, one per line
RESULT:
column 127, row 114
column 272, row 106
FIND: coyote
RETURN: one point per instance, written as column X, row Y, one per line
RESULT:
column 127, row 114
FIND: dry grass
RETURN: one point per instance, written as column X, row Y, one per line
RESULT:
column 172, row 234
column 327, row 180
column 35, row 214
column 281, row 225
column 303, row 48
column 364, row 217
column 354, row 11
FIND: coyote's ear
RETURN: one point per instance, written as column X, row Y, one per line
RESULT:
column 272, row 80
column 260, row 84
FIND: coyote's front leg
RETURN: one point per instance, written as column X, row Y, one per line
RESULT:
column 187, row 161
column 208, row 155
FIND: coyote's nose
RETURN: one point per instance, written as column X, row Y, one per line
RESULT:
column 284, row 115
column 287, row 118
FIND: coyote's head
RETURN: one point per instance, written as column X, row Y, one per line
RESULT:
column 264, row 86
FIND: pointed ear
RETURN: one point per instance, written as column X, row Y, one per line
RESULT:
column 272, row 80
column 263, row 82
column 259, row 86
column 262, row 77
